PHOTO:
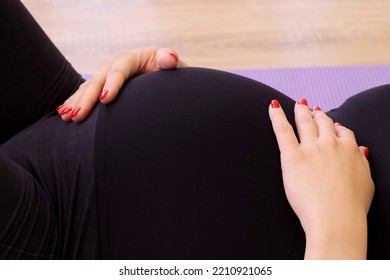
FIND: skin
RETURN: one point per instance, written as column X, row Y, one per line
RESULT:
column 327, row 181
column 326, row 174
column 107, row 81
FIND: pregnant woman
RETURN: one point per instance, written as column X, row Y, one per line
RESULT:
column 179, row 164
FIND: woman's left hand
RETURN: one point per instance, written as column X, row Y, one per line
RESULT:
column 114, row 72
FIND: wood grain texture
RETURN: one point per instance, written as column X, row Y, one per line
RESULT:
column 222, row 33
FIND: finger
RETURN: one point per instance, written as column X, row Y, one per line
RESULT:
column 87, row 96
column 114, row 83
column 92, row 88
column 65, row 112
column 343, row 132
column 68, row 102
column 83, row 107
column 306, row 126
column 168, row 59
column 126, row 65
column 66, row 109
column 284, row 132
column 325, row 125
column 69, row 109
column 84, row 99
column 133, row 63
column 364, row 151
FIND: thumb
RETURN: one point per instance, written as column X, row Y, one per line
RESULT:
column 168, row 59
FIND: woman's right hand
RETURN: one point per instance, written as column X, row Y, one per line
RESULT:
column 327, row 181
column 114, row 72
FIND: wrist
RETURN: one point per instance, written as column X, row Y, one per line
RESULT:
column 338, row 239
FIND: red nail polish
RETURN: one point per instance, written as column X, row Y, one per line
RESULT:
column 366, row 151
column 103, row 94
column 75, row 112
column 174, row 56
column 59, row 107
column 66, row 110
column 302, row 101
column 317, row 108
column 275, row 104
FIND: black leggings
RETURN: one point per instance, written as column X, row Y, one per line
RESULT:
column 186, row 162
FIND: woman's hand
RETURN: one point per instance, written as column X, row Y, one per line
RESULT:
column 106, row 83
column 327, row 181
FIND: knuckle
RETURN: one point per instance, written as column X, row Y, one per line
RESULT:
column 108, row 61
column 350, row 143
column 305, row 119
column 82, row 86
column 303, row 115
column 350, row 132
column 120, row 55
column 96, row 82
column 283, row 129
column 331, row 142
column 116, row 74
column 322, row 117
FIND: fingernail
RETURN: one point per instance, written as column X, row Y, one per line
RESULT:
column 366, row 151
column 302, row 101
column 59, row 107
column 275, row 104
column 317, row 108
column 174, row 56
column 103, row 94
column 66, row 110
column 75, row 112
column 338, row 124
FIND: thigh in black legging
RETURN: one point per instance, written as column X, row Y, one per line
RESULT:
column 188, row 168
column 368, row 115
column 35, row 76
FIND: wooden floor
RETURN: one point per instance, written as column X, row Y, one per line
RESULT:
column 222, row 33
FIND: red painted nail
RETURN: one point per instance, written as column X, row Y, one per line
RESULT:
column 338, row 124
column 317, row 108
column 103, row 94
column 59, row 107
column 275, row 104
column 366, row 151
column 75, row 112
column 302, row 101
column 174, row 56
column 66, row 110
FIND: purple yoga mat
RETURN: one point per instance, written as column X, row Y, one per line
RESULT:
column 327, row 87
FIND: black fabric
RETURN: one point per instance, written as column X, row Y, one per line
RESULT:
column 192, row 170
column 183, row 165
column 47, row 197
column 28, row 228
column 60, row 158
column 35, row 77
column 368, row 115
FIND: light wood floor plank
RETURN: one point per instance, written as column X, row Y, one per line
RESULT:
column 222, row 33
